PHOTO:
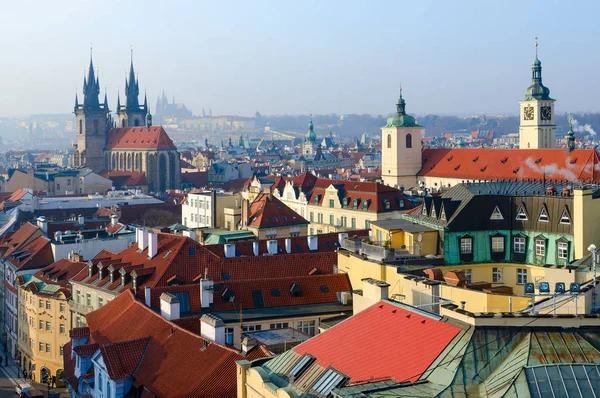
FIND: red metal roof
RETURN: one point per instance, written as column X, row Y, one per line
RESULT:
column 511, row 164
column 154, row 137
column 384, row 340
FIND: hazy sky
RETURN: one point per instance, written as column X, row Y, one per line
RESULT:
column 236, row 57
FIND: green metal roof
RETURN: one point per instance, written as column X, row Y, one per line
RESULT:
column 401, row 119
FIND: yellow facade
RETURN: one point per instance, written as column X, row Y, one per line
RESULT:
column 44, row 324
column 420, row 243
column 586, row 221
column 419, row 294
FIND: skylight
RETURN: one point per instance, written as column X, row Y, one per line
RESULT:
column 327, row 382
column 496, row 214
column 302, row 364
column 565, row 219
column 544, row 215
column 521, row 214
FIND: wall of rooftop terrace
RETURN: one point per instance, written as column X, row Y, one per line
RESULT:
column 482, row 247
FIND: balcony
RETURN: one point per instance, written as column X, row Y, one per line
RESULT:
column 80, row 308
column 376, row 251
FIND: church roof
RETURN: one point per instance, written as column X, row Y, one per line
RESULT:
column 154, row 137
column 511, row 164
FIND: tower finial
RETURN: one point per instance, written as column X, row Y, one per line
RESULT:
column 536, row 47
column 131, row 54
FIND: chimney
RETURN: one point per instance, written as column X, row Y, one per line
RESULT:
column 229, row 249
column 375, row 290
column 152, row 243
column 206, row 292
column 313, row 242
column 341, row 237
column 272, row 246
column 212, row 328
column 248, row 344
column 147, row 292
column 42, row 224
column 76, row 256
column 288, row 245
column 169, row 306
column 81, row 219
column 114, row 220
column 190, row 234
column 142, row 239
column 255, row 248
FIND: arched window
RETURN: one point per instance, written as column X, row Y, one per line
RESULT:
column 80, row 126
column 123, row 123
column 389, row 141
column 409, row 140
column 137, row 122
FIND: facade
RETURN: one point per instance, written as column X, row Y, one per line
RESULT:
column 340, row 205
column 206, row 209
column 135, row 145
column 58, row 182
column 45, row 319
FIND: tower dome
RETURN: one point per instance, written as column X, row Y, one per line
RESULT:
column 310, row 135
column 537, row 91
column 401, row 119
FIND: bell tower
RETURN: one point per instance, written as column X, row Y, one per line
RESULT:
column 401, row 147
column 132, row 114
column 92, row 124
column 537, row 127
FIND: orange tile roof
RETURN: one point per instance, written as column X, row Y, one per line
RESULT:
column 511, row 164
column 122, row 358
column 35, row 254
column 175, row 362
column 268, row 211
column 21, row 237
column 59, row 272
column 154, row 137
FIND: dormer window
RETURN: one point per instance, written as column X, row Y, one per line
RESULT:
column 497, row 214
column 521, row 214
column 543, row 217
column 387, row 204
column 366, row 204
column 355, row 203
column 564, row 218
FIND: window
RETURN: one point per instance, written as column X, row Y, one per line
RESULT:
column 41, row 347
column 389, row 141
column 192, row 251
column 251, row 328
column 62, row 307
column 61, row 351
column 57, row 187
column 409, row 140
column 543, row 215
column 496, row 214
column 565, row 219
column 88, row 299
column 562, row 250
column 100, row 382
column 229, row 336
column 41, row 303
column 519, row 244
column 331, row 219
column 355, row 204
column 307, row 327
column 366, row 204
column 496, row 275
column 320, row 218
column 41, row 325
column 353, row 223
column 466, row 245
column 521, row 214
column 540, row 247
column 281, row 325
column 62, row 329
column 521, row 276
column 331, row 203
column 497, row 244
column 48, row 305
column 312, row 216
column 387, row 204
column 48, row 326
column 80, row 126
column 47, row 347
column 107, row 389
column 367, row 224
column 468, row 275
column 78, row 295
column 100, row 302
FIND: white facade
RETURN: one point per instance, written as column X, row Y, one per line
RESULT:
column 401, row 157
column 89, row 248
column 198, row 211
column 537, row 128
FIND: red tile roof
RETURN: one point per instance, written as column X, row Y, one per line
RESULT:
column 15, row 242
column 122, row 358
column 36, row 254
column 86, row 350
column 104, row 212
column 175, row 362
column 154, row 137
column 60, row 272
column 198, row 179
column 79, row 332
column 365, row 346
column 125, row 178
column 267, row 212
column 511, row 164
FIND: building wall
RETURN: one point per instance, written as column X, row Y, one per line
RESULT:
column 90, row 247
column 279, row 232
column 586, row 221
column 207, row 209
column 399, row 164
column 343, row 219
column 252, row 383
column 80, row 305
column 20, row 180
column 482, row 247
column 31, row 335
column 537, row 133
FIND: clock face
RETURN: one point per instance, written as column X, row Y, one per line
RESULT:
column 528, row 113
column 546, row 113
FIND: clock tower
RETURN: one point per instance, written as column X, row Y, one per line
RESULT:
column 537, row 127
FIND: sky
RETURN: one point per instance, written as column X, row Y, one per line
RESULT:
column 302, row 56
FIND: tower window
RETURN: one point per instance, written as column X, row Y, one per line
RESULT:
column 409, row 140
column 137, row 122
column 80, row 126
column 389, row 141
column 95, row 127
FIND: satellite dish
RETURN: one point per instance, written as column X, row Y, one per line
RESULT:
column 420, row 238
column 529, row 288
column 544, row 287
column 559, row 287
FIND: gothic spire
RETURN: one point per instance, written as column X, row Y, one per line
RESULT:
column 76, row 101
column 105, row 100
column 145, row 102
column 91, row 87
column 132, row 88
column 118, row 101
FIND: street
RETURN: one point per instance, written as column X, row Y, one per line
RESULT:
column 9, row 379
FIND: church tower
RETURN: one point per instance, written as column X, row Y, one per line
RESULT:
column 310, row 140
column 401, row 148
column 132, row 114
column 537, row 127
column 92, row 124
